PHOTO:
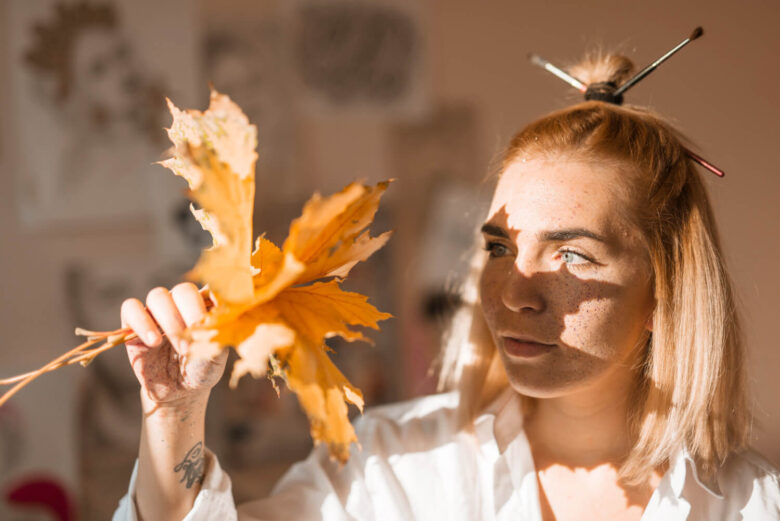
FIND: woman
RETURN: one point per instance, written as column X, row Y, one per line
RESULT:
column 597, row 370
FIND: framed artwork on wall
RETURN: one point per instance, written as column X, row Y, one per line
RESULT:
column 365, row 58
column 89, row 104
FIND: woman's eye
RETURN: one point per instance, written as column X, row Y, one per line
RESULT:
column 571, row 257
column 496, row 249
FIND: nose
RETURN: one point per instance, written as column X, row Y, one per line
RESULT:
column 522, row 289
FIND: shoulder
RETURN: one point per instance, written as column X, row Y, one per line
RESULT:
column 749, row 470
column 409, row 425
column 752, row 482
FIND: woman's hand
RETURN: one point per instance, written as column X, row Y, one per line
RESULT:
column 168, row 377
column 174, row 394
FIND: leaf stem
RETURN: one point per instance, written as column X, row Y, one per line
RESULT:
column 46, row 368
column 81, row 354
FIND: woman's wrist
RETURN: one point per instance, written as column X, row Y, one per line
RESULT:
column 179, row 409
column 172, row 439
column 171, row 456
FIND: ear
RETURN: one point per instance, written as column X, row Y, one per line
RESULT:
column 649, row 322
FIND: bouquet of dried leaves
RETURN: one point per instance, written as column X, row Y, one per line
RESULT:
column 275, row 306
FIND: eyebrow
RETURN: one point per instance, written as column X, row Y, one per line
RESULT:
column 566, row 234
column 492, row 229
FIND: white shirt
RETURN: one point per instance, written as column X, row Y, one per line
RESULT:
column 415, row 465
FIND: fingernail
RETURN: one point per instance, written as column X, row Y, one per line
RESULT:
column 151, row 338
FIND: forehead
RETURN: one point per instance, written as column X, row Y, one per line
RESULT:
column 558, row 192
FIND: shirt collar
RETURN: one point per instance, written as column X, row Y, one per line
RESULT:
column 680, row 463
column 493, row 418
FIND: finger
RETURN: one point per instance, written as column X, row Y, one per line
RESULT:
column 162, row 307
column 138, row 319
column 190, row 302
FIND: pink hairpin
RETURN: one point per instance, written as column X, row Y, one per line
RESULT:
column 706, row 164
column 608, row 92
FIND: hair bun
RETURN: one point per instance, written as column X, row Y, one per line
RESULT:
column 603, row 68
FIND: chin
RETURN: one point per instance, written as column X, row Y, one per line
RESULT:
column 545, row 382
column 535, row 391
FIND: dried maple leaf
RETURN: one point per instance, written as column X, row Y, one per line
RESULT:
column 325, row 237
column 215, row 152
column 271, row 302
column 322, row 390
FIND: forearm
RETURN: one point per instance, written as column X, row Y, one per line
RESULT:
column 170, row 458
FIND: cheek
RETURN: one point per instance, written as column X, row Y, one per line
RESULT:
column 605, row 323
column 489, row 292
column 592, row 328
column 492, row 285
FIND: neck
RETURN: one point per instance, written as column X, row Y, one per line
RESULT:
column 584, row 428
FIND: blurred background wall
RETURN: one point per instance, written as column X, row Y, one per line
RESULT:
column 427, row 92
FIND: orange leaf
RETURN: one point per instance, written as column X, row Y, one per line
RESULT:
column 322, row 310
column 322, row 392
column 345, row 256
column 266, row 259
column 326, row 235
column 255, row 334
column 266, row 300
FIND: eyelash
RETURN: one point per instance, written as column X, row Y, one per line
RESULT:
column 489, row 248
column 491, row 245
column 580, row 255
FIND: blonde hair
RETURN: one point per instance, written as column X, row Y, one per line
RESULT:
column 691, row 384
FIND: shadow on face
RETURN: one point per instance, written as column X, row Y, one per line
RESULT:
column 594, row 323
column 563, row 271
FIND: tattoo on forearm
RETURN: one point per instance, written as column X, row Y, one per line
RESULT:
column 192, row 466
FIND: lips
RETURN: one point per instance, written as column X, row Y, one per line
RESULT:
column 525, row 347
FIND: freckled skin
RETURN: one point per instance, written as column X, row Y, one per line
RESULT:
column 597, row 313
column 167, row 376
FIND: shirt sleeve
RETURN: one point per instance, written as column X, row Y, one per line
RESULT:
column 315, row 489
column 764, row 485
column 368, row 487
column 214, row 501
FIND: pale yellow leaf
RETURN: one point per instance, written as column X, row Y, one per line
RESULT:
column 257, row 347
column 223, row 128
column 215, row 152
